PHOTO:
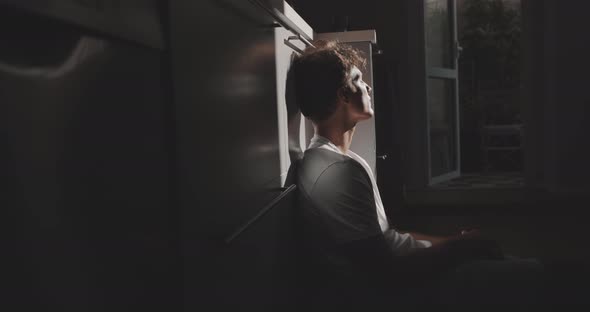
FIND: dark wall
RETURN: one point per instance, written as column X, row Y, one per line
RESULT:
column 570, row 102
column 533, row 100
column 557, row 101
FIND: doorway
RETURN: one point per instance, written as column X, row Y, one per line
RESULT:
column 490, row 66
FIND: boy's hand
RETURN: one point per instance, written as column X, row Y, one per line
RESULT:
column 471, row 245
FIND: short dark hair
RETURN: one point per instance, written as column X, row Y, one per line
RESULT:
column 318, row 74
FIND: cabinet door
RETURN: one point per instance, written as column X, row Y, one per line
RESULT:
column 227, row 131
column 291, row 122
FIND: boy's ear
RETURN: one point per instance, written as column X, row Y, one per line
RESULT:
column 342, row 94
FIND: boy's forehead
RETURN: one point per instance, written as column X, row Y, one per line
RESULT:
column 355, row 71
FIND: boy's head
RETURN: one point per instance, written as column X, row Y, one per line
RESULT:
column 327, row 75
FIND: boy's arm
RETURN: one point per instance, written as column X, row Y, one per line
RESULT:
column 438, row 239
column 435, row 240
column 373, row 256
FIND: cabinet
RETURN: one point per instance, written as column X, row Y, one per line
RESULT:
column 85, row 163
column 293, row 129
column 229, row 157
column 127, row 160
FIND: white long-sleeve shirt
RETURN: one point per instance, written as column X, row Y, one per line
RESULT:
column 398, row 242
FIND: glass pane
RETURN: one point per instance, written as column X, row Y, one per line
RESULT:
column 442, row 119
column 439, row 39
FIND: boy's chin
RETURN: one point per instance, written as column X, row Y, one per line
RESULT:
column 366, row 116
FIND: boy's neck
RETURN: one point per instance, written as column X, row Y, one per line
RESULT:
column 340, row 137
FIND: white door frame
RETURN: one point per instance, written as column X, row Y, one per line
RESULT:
column 449, row 74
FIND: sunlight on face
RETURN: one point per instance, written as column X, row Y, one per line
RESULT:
column 359, row 96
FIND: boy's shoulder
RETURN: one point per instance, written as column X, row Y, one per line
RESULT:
column 317, row 161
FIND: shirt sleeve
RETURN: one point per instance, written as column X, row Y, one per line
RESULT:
column 343, row 196
column 403, row 242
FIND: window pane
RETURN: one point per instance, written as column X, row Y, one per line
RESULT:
column 439, row 39
column 442, row 119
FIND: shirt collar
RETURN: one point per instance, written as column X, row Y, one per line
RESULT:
column 320, row 141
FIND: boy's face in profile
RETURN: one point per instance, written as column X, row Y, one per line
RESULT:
column 359, row 101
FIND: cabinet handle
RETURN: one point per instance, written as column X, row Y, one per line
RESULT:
column 292, row 46
column 284, row 21
column 300, row 38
